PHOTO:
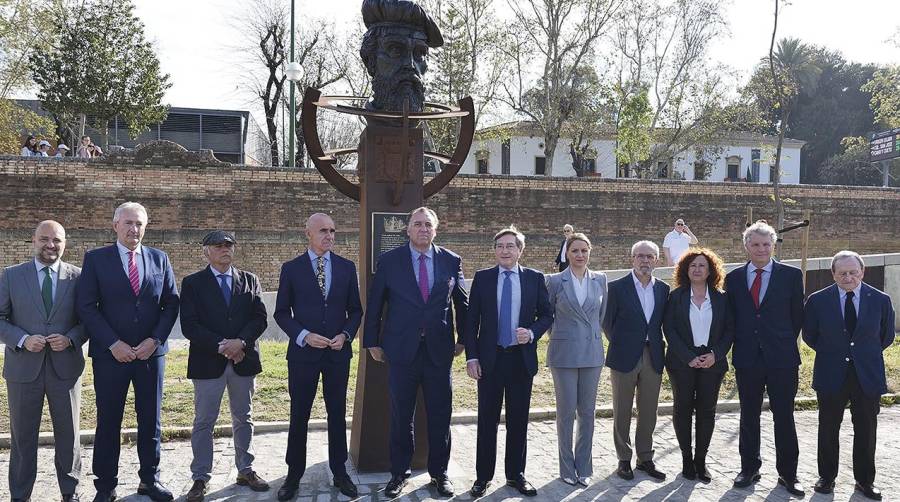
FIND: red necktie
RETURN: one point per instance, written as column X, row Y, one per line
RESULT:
column 757, row 285
column 133, row 277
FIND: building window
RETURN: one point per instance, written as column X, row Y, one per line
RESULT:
column 589, row 166
column 772, row 174
column 624, row 171
column 754, row 165
column 504, row 157
column 662, row 169
column 540, row 166
column 701, row 170
column 734, row 168
column 482, row 166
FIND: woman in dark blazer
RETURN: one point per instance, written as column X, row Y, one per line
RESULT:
column 698, row 338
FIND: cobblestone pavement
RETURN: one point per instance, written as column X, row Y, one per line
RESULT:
column 541, row 471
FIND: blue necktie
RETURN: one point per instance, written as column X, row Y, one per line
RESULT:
column 226, row 291
column 506, row 329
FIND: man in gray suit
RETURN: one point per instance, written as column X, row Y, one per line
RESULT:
column 43, row 358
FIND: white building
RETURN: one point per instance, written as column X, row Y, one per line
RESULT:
column 732, row 159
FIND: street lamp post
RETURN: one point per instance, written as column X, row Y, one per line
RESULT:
column 294, row 73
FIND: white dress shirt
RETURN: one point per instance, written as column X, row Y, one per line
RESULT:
column 138, row 259
column 843, row 296
column 645, row 295
column 580, row 286
column 766, row 276
column 314, row 261
column 54, row 278
column 701, row 320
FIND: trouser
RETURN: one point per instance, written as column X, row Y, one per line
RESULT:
column 645, row 382
column 404, row 381
column 111, row 382
column 26, row 402
column 508, row 378
column 864, row 413
column 303, row 382
column 207, row 403
column 695, row 392
column 781, row 386
column 576, row 397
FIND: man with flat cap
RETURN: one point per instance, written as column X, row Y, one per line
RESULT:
column 223, row 316
column 394, row 51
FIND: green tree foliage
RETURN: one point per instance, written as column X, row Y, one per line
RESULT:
column 633, row 134
column 851, row 165
column 885, row 90
column 103, row 67
column 16, row 123
column 26, row 30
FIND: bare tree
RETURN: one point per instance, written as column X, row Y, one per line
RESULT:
column 662, row 49
column 562, row 35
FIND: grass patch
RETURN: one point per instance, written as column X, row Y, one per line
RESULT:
column 273, row 404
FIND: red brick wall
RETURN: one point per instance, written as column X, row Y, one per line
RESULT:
column 266, row 208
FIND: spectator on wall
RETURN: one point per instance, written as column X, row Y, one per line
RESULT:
column 29, row 148
column 83, row 150
column 61, row 150
column 677, row 242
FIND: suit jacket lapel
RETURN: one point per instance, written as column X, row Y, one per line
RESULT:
column 62, row 288
column 523, row 300
column 34, row 289
column 774, row 279
column 568, row 281
column 633, row 295
column 308, row 273
column 865, row 307
column 237, row 284
column 410, row 276
column 437, row 261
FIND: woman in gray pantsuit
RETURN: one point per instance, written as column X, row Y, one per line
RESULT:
column 575, row 356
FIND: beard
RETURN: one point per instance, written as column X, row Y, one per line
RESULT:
column 390, row 93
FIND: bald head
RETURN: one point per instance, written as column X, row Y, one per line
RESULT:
column 49, row 242
column 320, row 232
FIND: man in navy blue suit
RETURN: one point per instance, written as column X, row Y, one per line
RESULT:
column 633, row 326
column 848, row 324
column 319, row 309
column 128, row 302
column 765, row 302
column 509, row 311
column 410, row 325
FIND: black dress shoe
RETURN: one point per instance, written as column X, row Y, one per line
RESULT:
column 650, row 469
column 703, row 473
column 479, row 487
column 824, row 486
column 105, row 496
column 745, row 479
column 156, row 491
column 197, row 492
column 288, row 490
column 688, row 469
column 252, row 480
column 443, row 485
column 869, row 491
column 346, row 486
column 522, row 484
column 624, row 471
column 395, row 486
column 792, row 486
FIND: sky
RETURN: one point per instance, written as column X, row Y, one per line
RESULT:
column 193, row 38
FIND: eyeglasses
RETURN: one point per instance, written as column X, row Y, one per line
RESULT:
column 508, row 246
column 645, row 256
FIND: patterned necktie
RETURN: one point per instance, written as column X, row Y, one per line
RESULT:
column 756, row 287
column 226, row 290
column 320, row 274
column 849, row 314
column 505, row 323
column 133, row 277
column 47, row 290
column 423, row 277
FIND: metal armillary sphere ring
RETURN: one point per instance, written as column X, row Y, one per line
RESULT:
column 325, row 160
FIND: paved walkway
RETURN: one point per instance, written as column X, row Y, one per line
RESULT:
column 542, row 467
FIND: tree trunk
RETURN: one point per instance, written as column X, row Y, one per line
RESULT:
column 272, row 131
column 550, row 142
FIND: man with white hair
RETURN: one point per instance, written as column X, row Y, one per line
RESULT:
column 765, row 304
column 635, row 356
column 848, row 324
column 128, row 302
